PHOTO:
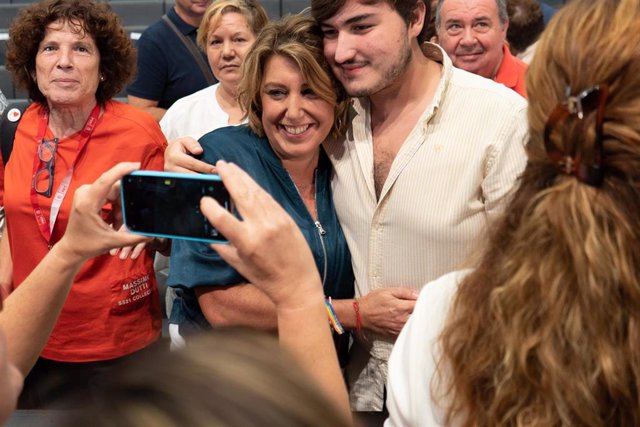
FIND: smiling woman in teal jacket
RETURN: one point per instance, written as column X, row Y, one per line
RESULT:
column 293, row 104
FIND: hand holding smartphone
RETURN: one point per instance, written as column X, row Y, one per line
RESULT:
column 167, row 204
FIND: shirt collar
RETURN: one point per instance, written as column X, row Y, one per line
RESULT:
column 506, row 73
column 436, row 53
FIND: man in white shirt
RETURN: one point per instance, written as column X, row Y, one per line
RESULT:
column 430, row 158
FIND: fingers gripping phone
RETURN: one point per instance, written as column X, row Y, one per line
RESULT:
column 165, row 204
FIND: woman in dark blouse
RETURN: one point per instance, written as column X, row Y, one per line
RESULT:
column 293, row 104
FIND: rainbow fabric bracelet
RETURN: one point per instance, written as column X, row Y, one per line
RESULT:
column 333, row 319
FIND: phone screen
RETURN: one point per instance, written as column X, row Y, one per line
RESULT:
column 168, row 204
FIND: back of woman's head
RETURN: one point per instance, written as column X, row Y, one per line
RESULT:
column 546, row 331
column 228, row 378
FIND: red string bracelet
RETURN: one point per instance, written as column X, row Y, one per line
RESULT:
column 356, row 308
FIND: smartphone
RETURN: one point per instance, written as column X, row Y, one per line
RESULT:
column 165, row 204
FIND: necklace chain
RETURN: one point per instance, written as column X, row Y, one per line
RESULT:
column 304, row 187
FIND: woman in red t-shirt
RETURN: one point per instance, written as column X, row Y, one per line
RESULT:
column 73, row 56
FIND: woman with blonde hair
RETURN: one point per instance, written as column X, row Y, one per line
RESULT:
column 293, row 104
column 545, row 331
column 226, row 33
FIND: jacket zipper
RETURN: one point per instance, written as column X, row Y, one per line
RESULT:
column 321, row 233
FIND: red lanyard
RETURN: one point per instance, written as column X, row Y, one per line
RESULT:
column 46, row 225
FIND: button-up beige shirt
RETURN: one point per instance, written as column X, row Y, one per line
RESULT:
column 452, row 175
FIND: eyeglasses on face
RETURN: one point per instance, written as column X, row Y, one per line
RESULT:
column 43, row 178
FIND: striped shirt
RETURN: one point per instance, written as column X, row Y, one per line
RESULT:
column 452, row 175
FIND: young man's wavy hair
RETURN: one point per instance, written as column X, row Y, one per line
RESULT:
column 321, row 10
column 546, row 331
